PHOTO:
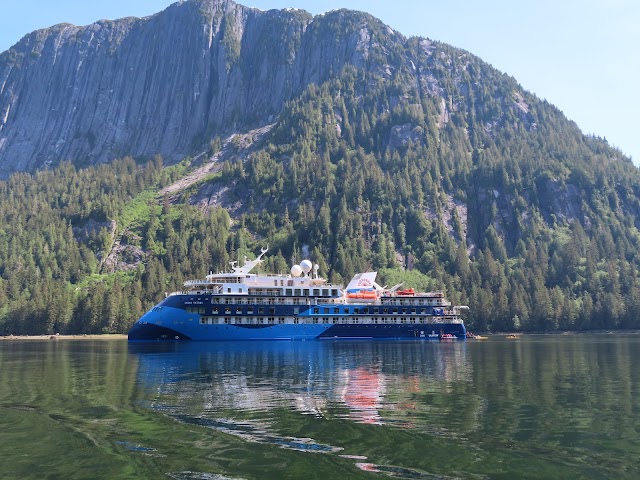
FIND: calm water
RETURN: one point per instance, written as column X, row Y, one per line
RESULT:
column 536, row 407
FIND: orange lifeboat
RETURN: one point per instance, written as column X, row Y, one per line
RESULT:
column 409, row 292
column 363, row 295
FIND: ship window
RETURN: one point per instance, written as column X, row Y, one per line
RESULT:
column 226, row 319
column 249, row 310
column 203, row 320
column 296, row 310
column 336, row 310
column 394, row 310
column 385, row 310
column 404, row 310
column 315, row 320
column 240, row 289
column 271, row 320
column 316, row 292
column 281, row 320
column 334, row 292
column 228, row 290
column 261, row 311
column 325, row 310
column 296, row 292
column 316, row 310
column 289, row 283
column 201, row 310
column 325, row 292
column 306, row 292
column 288, row 292
column 272, row 310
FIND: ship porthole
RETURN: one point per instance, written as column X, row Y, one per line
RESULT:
column 177, row 337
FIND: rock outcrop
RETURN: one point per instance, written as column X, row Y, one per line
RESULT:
column 167, row 83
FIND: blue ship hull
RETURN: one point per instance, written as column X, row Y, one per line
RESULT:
column 172, row 323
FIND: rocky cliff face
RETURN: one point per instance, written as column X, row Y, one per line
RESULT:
column 167, row 83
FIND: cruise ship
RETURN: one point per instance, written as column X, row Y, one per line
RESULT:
column 240, row 305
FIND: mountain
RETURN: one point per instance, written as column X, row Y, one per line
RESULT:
column 166, row 83
column 331, row 136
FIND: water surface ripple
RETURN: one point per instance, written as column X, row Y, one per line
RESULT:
column 536, row 407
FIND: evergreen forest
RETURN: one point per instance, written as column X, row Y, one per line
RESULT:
column 475, row 187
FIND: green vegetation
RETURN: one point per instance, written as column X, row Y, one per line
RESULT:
column 472, row 184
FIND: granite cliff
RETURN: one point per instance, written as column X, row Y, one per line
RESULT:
column 167, row 83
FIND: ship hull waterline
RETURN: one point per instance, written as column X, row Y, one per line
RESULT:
column 177, row 325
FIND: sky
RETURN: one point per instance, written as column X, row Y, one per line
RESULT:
column 583, row 56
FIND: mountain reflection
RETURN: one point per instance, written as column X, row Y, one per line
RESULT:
column 365, row 382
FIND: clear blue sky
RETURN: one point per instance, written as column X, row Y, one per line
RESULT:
column 581, row 55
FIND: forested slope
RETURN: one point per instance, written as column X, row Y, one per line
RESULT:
column 408, row 156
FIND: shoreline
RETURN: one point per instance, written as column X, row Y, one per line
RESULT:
column 124, row 336
column 99, row 336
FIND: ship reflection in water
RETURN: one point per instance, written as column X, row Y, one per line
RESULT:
column 385, row 382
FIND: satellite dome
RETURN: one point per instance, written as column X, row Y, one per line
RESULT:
column 306, row 266
column 296, row 271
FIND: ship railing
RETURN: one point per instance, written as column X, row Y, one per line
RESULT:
column 197, row 282
column 447, row 319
